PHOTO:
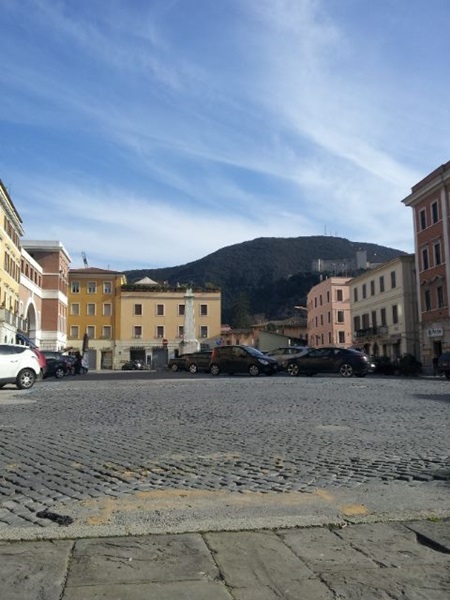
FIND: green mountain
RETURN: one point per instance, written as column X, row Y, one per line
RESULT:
column 269, row 275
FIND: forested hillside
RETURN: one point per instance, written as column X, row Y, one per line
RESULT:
column 272, row 274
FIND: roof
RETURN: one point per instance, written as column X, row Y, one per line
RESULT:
column 145, row 281
column 94, row 271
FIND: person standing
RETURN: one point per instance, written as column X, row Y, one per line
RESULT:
column 78, row 359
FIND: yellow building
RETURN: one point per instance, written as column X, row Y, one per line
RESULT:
column 10, row 259
column 94, row 311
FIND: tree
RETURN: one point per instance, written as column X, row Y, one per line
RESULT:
column 240, row 313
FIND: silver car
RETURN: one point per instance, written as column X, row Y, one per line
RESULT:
column 284, row 355
column 18, row 365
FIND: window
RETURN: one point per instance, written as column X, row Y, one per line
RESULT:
column 106, row 332
column 138, row 310
column 342, row 337
column 160, row 310
column 374, row 318
column 107, row 287
column 329, row 317
column 91, row 287
column 427, row 297
column 74, row 331
column 440, row 296
column 381, row 283
column 160, row 331
column 425, row 263
column 383, row 316
column 320, row 300
column 315, row 302
column 317, row 322
column 393, row 280
column 340, row 316
column 364, row 291
column 330, row 338
column 90, row 309
column 356, row 323
column 90, row 330
column 75, row 309
column 107, row 310
column 203, row 310
column 328, row 297
column 75, row 287
column 339, row 295
column 365, row 321
column 204, row 331
column 321, row 319
column 423, row 219
column 437, row 254
column 180, row 331
column 137, row 331
column 355, row 295
column 435, row 212
column 395, row 314
column 181, row 310
column 372, row 288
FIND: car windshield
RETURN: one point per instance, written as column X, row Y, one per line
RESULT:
column 254, row 352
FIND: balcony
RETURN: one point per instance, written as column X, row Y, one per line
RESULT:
column 6, row 316
column 370, row 332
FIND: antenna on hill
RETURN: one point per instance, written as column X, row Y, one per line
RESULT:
column 85, row 262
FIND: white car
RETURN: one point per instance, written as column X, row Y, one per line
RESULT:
column 19, row 365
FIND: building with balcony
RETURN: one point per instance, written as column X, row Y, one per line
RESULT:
column 11, row 231
column 30, row 298
column 384, row 309
column 430, row 201
column 94, row 328
column 54, row 260
column 329, row 322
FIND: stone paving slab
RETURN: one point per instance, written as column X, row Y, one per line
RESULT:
column 33, row 570
column 359, row 562
column 437, row 533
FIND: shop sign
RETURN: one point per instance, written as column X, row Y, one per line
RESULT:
column 435, row 332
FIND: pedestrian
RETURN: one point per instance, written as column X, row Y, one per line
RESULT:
column 78, row 360
column 435, row 366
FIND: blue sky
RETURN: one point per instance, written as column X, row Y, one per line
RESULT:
column 150, row 133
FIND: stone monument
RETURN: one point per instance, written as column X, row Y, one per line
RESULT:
column 190, row 342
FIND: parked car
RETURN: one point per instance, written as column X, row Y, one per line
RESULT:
column 24, row 340
column 284, row 355
column 58, row 364
column 347, row 362
column 443, row 365
column 178, row 363
column 19, row 364
column 192, row 362
column 134, row 365
column 241, row 359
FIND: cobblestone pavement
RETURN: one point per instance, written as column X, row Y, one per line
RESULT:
column 78, row 439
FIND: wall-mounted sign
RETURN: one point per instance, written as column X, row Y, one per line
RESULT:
column 435, row 332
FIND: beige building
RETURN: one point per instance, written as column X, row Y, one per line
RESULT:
column 153, row 321
column 430, row 201
column 384, row 309
column 329, row 322
column 11, row 231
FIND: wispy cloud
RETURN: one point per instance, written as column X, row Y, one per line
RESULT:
column 193, row 125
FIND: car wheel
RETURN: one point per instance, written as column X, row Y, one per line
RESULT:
column 214, row 370
column 174, row 368
column 253, row 370
column 25, row 379
column 293, row 370
column 59, row 373
column 193, row 368
column 346, row 370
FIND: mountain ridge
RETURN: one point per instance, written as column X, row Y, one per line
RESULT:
column 274, row 274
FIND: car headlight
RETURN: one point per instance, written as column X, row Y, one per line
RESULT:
column 263, row 362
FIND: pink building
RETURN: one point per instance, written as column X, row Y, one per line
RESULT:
column 329, row 322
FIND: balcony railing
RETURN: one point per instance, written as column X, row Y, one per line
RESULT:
column 6, row 316
column 370, row 332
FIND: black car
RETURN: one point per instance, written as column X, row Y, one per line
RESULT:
column 241, row 359
column 134, row 365
column 347, row 362
column 178, row 363
column 58, row 364
column 443, row 364
column 192, row 362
